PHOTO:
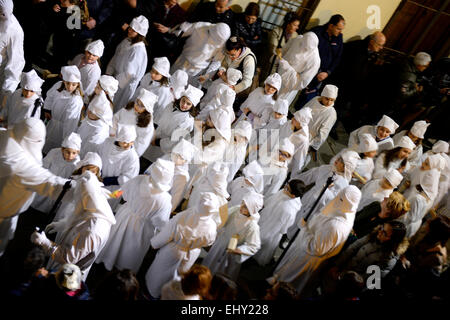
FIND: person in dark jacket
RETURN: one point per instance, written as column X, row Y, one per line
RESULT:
column 330, row 49
column 99, row 12
column 248, row 27
column 214, row 12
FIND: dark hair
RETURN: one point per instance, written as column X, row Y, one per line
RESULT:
column 118, row 285
column 139, row 38
column 34, row 260
column 235, row 43
column 193, row 111
column 252, row 9
column 222, row 288
column 390, row 155
column 275, row 95
column 397, row 236
column 282, row 291
column 197, row 281
column 419, row 140
column 164, row 81
column 297, row 187
column 291, row 17
column 438, row 230
column 78, row 172
column 350, row 285
column 335, row 19
column 63, row 87
column 143, row 118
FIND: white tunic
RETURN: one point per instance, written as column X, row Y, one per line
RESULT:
column 19, row 108
column 413, row 218
column 372, row 192
column 234, row 158
column 355, row 138
column 90, row 74
column 146, row 211
column 238, row 188
column 259, row 103
column 274, row 176
column 93, row 134
column 364, row 168
column 180, row 180
column 323, row 119
column 66, row 111
column 300, row 139
column 128, row 66
column 380, row 170
column 276, row 217
column 415, row 157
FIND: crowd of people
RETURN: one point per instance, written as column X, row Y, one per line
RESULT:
column 165, row 155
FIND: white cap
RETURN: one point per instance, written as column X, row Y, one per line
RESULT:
column 221, row 120
column 405, row 142
column 101, row 107
column 287, row 146
column 254, row 173
column 68, row 277
column 233, row 76
column 437, row 162
column 161, row 173
column 7, row 7
column 220, row 33
column 126, row 133
column 330, row 91
column 148, row 99
column 184, row 149
column 96, row 48
column 304, row 116
column 274, row 80
column 72, row 141
column 440, row 147
column 178, row 82
column 419, row 128
column 394, row 177
column 208, row 204
column 244, row 128
column 140, row 25
column 31, row 81
column 162, row 65
column 388, row 123
column 281, row 106
column 109, row 84
column 71, row 74
column 429, row 181
column 346, row 202
column 91, row 158
column 350, row 159
column 254, row 202
column 422, row 59
column 227, row 97
column 193, row 94
column 367, row 143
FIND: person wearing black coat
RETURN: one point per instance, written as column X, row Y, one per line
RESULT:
column 248, row 27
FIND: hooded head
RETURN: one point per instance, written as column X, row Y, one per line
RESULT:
column 178, row 82
column 221, row 120
column 309, row 42
column 193, row 94
column 440, row 147
column 109, row 84
column 140, row 25
column 68, row 277
column 227, row 97
column 244, row 129
column 30, row 135
column 303, row 116
column 350, row 159
column 419, row 128
column 90, row 159
column 367, row 143
column 6, row 10
column 31, row 81
column 148, row 99
column 429, row 181
column 161, row 173
column 217, row 174
column 437, row 162
column 72, row 141
column 274, row 80
column 405, row 142
column 233, row 76
column 219, row 33
column 208, row 204
column 254, row 202
column 388, row 123
column 254, row 174
column 162, row 65
column 185, row 150
column 96, row 48
column 281, row 106
column 101, row 107
column 394, row 177
column 287, row 146
column 71, row 74
column 346, row 202
column 330, row 91
column 126, row 133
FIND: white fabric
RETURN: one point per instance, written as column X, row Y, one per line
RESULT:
column 387, row 122
column 90, row 74
column 254, row 202
column 440, row 146
column 323, row 119
column 364, row 168
column 31, row 81
column 161, row 173
column 274, row 80
column 162, row 65
column 394, row 177
column 109, row 84
column 221, row 120
column 71, row 74
column 380, row 169
column 193, row 94
column 126, row 133
column 72, row 141
column 367, row 143
column 244, row 129
column 147, row 98
column 422, row 59
column 429, row 182
column 184, row 149
column 329, row 91
column 255, row 175
column 355, row 139
column 372, row 192
column 19, row 108
column 140, row 25
column 92, row 159
column 287, row 146
column 419, row 128
column 96, row 48
column 303, row 116
column 233, row 76
column 405, row 142
column 235, row 153
column 178, row 83
column 281, row 106
column 146, row 211
column 437, row 161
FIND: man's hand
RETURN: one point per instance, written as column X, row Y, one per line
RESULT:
column 322, row 76
column 161, row 28
column 91, row 23
column 56, row 8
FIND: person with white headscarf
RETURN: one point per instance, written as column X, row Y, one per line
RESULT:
column 416, row 134
column 146, row 211
column 341, row 168
column 220, row 85
column 157, row 81
column 62, row 107
column 252, row 179
column 224, row 99
column 120, row 160
column 300, row 139
column 421, row 198
column 129, row 62
column 273, row 118
column 276, row 217
column 176, row 123
column 12, row 58
column 109, row 86
column 61, row 162
column 82, row 236
column 320, row 238
column 242, row 224
column 22, row 174
column 275, row 166
column 378, row 189
column 180, row 242
column 88, row 64
column 140, row 115
column 299, row 64
column 381, row 132
column 25, row 102
column 202, row 49
column 236, row 151
column 178, row 83
column 396, row 158
column 367, row 151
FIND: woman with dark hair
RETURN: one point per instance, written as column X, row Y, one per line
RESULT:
column 416, row 134
column 193, row 285
column 118, row 285
column 248, row 26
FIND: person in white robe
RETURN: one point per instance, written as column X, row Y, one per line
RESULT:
column 61, row 162
column 203, row 50
column 341, row 168
column 252, row 179
column 421, row 198
column 22, row 174
column 62, row 107
column 379, row 189
column 25, row 102
column 300, row 139
column 242, row 224
column 178, row 83
column 218, row 86
column 129, row 62
column 299, row 64
column 180, row 242
column 274, row 117
column 381, row 132
column 223, row 100
column 157, row 82
column 146, row 211
column 367, row 151
column 12, row 59
column 84, row 234
column 236, row 151
column 276, row 217
column 397, row 158
column 88, row 64
column 416, row 134
column 320, row 238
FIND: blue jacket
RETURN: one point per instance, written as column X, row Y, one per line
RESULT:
column 330, row 49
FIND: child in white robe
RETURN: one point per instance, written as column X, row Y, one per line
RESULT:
column 416, row 134
column 252, row 179
column 367, row 151
column 178, row 83
column 236, row 151
column 219, row 86
column 396, row 158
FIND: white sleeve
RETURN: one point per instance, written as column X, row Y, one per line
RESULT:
column 252, row 241
column 130, row 169
column 72, row 116
column 324, row 130
column 15, row 62
column 160, row 218
column 307, row 75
